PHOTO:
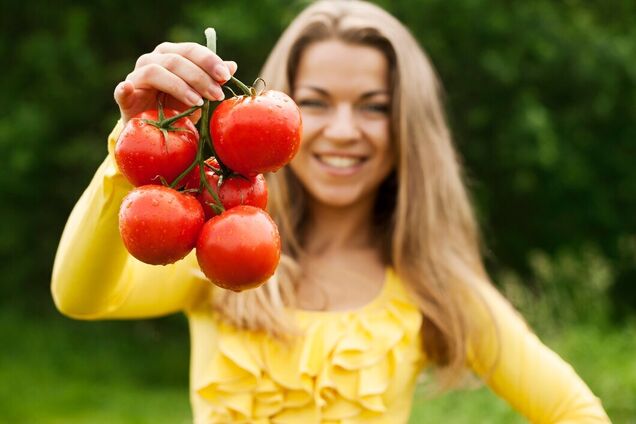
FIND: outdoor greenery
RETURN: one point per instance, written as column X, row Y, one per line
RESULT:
column 541, row 97
column 75, row 372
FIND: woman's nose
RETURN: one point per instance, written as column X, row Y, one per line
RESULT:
column 342, row 124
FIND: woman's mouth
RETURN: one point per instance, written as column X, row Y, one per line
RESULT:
column 340, row 161
column 340, row 164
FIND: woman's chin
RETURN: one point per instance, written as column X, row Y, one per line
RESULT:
column 337, row 198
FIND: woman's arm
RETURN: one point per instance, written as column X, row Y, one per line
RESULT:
column 94, row 277
column 531, row 377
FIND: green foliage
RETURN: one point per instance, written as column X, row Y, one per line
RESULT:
column 567, row 288
column 541, row 99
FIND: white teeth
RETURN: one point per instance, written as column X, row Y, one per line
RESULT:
column 339, row 161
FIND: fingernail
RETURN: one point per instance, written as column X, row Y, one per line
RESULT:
column 231, row 66
column 221, row 74
column 194, row 98
column 217, row 92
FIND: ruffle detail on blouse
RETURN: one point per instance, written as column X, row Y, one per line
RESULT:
column 347, row 367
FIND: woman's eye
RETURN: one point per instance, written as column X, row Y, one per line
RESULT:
column 376, row 107
column 311, row 103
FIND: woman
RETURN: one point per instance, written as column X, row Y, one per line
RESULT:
column 381, row 274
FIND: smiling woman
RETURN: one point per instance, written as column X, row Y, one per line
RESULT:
column 381, row 275
column 347, row 150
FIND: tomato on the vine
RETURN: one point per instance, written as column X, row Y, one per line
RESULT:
column 159, row 225
column 192, row 181
column 256, row 134
column 146, row 153
column 238, row 190
column 234, row 191
column 239, row 249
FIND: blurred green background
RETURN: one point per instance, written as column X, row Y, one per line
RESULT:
column 541, row 97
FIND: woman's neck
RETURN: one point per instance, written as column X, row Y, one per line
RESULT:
column 331, row 229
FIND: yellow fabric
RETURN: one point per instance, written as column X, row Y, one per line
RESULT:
column 348, row 367
column 353, row 367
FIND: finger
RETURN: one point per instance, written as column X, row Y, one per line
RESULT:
column 123, row 92
column 157, row 77
column 231, row 66
column 188, row 71
column 201, row 56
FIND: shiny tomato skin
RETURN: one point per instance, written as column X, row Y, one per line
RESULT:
column 256, row 134
column 239, row 249
column 193, row 179
column 159, row 225
column 234, row 191
column 238, row 190
column 143, row 154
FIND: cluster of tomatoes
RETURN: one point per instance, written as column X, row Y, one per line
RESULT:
column 216, row 205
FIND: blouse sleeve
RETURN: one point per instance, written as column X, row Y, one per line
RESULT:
column 527, row 374
column 94, row 277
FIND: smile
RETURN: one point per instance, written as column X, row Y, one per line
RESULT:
column 339, row 161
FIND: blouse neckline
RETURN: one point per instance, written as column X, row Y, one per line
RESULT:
column 378, row 299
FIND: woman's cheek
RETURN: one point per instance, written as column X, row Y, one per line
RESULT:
column 311, row 126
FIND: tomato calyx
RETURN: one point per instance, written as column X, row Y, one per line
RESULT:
column 254, row 90
column 224, row 175
column 165, row 124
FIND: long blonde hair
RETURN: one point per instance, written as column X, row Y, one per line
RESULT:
column 430, row 232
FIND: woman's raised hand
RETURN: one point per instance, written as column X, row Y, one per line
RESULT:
column 186, row 72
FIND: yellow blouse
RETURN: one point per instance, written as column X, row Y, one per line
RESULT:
column 348, row 367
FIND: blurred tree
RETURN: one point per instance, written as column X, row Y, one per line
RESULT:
column 541, row 97
column 61, row 65
column 541, row 101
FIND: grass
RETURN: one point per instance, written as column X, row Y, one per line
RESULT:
column 63, row 371
column 55, row 370
column 604, row 358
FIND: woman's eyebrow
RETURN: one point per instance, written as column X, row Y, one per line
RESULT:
column 373, row 93
column 319, row 90
column 325, row 93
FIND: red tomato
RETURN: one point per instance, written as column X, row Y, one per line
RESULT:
column 159, row 225
column 256, row 134
column 239, row 249
column 234, row 191
column 193, row 179
column 144, row 154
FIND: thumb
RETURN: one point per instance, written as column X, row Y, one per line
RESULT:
column 123, row 92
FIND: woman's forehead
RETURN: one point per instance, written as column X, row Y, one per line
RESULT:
column 334, row 65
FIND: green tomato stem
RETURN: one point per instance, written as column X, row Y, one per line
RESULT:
column 210, row 39
column 183, row 174
column 248, row 91
column 165, row 123
column 205, row 138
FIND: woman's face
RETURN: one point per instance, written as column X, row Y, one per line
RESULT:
column 343, row 92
